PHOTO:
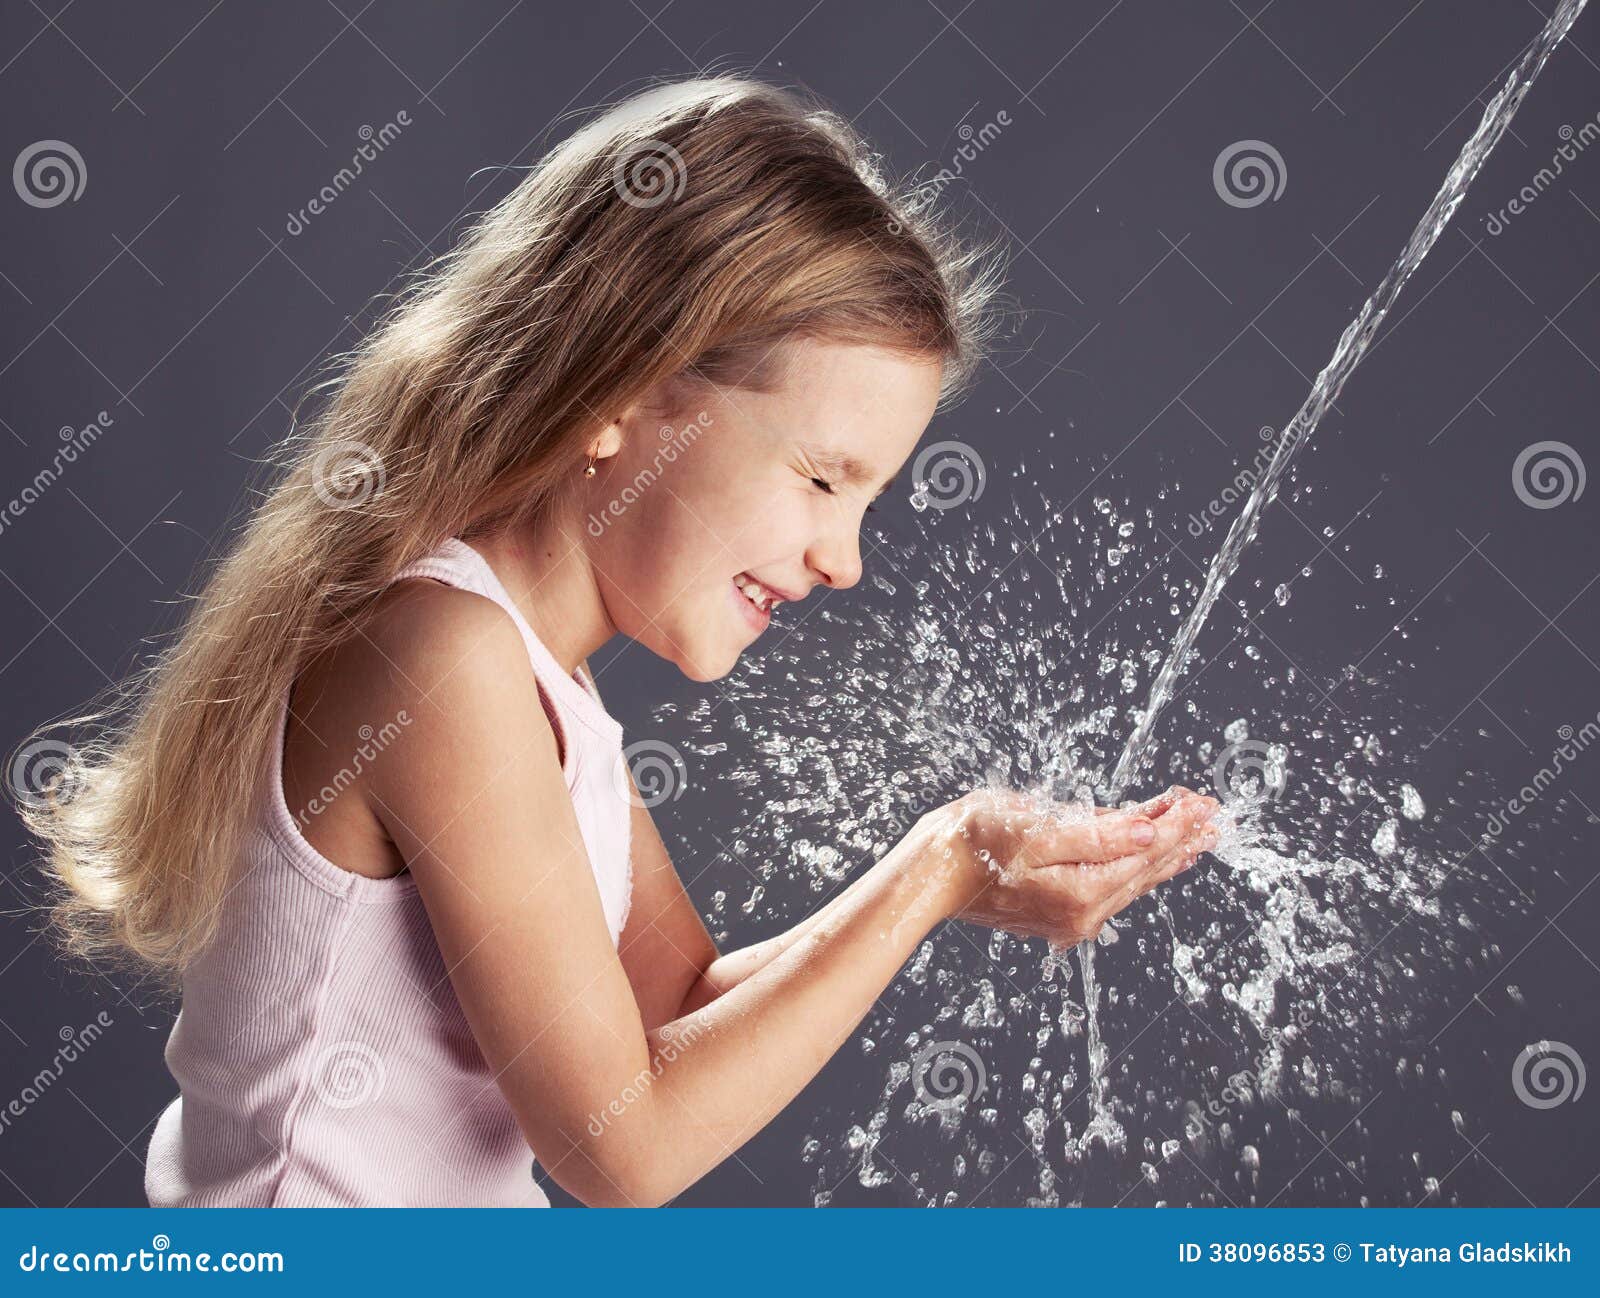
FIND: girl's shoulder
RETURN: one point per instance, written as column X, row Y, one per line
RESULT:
column 426, row 627
column 421, row 639
column 429, row 660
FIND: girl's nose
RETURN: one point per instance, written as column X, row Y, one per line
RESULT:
column 836, row 561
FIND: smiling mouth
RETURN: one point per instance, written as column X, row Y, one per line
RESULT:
column 762, row 597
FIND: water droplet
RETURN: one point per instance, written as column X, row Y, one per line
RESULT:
column 1385, row 840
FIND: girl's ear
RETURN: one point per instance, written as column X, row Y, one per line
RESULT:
column 609, row 441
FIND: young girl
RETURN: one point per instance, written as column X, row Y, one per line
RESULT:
column 369, row 807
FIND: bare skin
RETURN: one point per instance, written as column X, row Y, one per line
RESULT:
column 705, row 1048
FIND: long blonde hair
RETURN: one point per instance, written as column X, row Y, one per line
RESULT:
column 682, row 233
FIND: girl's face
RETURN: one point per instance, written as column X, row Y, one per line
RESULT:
column 695, row 528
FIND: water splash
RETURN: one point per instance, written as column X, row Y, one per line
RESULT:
column 1305, row 959
column 1290, row 982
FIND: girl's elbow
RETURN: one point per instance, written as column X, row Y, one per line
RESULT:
column 637, row 1194
column 612, row 1184
column 622, row 1168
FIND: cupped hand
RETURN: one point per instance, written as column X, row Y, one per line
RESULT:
column 1042, row 869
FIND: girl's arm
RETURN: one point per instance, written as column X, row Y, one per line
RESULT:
column 672, row 964
column 619, row 1112
column 725, row 972
column 671, row 961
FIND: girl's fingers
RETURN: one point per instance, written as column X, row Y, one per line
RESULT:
column 1102, row 839
column 1118, row 883
column 1117, row 879
column 1164, row 802
column 1174, row 828
column 1188, row 834
column 1204, row 838
column 1121, row 885
column 1185, row 857
column 1150, row 807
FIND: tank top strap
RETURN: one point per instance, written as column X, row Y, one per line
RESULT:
column 451, row 563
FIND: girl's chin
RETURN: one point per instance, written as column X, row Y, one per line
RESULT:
column 692, row 655
column 707, row 657
column 705, row 674
column 702, row 664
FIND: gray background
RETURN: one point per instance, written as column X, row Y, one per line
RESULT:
column 1166, row 325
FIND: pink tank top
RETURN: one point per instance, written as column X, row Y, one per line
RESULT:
column 320, row 1052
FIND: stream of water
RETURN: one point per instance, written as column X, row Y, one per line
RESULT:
column 1353, row 345
column 1330, row 382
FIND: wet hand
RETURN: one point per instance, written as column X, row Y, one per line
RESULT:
column 1041, row 869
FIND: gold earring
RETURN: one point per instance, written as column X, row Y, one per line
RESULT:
column 588, row 471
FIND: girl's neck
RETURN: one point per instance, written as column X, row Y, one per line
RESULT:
column 549, row 577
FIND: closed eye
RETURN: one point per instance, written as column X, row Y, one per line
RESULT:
column 823, row 485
